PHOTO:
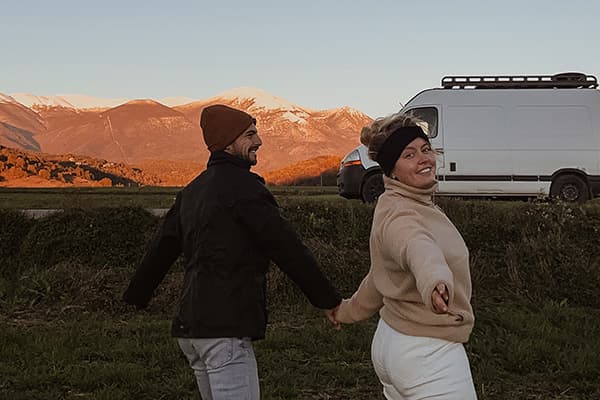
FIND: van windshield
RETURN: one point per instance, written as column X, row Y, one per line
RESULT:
column 429, row 116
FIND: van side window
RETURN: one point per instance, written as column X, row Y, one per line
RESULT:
column 429, row 116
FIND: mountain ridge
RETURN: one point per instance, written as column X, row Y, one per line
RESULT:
column 145, row 130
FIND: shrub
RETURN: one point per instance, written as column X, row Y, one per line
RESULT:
column 99, row 237
column 14, row 229
column 532, row 250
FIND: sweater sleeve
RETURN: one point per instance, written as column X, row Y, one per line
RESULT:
column 365, row 302
column 160, row 255
column 413, row 248
column 277, row 239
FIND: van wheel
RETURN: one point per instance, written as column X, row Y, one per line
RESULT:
column 570, row 188
column 372, row 188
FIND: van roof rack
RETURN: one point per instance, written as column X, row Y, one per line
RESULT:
column 562, row 80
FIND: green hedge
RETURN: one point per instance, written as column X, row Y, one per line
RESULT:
column 537, row 251
column 14, row 229
column 98, row 236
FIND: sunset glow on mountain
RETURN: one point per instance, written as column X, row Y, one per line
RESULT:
column 147, row 133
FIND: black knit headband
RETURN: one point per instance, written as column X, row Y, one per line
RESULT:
column 392, row 146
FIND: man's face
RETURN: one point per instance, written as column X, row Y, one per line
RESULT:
column 246, row 145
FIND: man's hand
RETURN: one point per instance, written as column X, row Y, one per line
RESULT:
column 439, row 299
column 330, row 314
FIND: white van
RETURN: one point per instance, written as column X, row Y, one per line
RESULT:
column 535, row 136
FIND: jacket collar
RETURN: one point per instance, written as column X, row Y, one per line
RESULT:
column 222, row 157
column 396, row 187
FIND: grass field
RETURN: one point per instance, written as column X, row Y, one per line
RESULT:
column 147, row 197
column 517, row 351
column 65, row 334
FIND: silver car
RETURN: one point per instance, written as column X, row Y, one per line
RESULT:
column 359, row 177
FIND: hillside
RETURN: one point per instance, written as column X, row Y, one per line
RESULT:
column 166, row 142
column 20, row 168
column 319, row 171
column 19, row 125
column 171, row 173
column 130, row 133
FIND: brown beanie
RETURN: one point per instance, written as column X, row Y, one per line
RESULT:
column 221, row 125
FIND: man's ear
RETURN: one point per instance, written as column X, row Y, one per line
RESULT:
column 229, row 149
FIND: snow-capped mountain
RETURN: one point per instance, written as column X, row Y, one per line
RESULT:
column 259, row 98
column 66, row 100
column 257, row 102
column 19, row 124
column 139, row 130
column 81, row 101
column 291, row 133
column 7, row 99
column 176, row 101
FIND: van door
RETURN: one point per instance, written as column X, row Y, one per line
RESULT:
column 477, row 157
column 552, row 137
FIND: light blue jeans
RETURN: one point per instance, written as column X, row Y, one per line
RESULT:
column 225, row 368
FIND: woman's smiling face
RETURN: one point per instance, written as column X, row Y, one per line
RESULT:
column 416, row 165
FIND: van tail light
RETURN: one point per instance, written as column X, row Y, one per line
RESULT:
column 350, row 163
column 353, row 158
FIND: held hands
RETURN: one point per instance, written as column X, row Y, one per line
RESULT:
column 439, row 299
column 330, row 314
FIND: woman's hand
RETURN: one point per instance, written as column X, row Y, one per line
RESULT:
column 439, row 299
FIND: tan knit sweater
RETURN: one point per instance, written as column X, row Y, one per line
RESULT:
column 414, row 246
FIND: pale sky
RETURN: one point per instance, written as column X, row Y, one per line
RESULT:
column 371, row 55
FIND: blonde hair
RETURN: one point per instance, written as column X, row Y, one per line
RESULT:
column 374, row 135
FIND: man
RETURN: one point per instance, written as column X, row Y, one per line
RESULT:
column 227, row 225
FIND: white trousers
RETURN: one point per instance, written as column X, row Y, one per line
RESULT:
column 415, row 367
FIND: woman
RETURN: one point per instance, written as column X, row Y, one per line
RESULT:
column 419, row 279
